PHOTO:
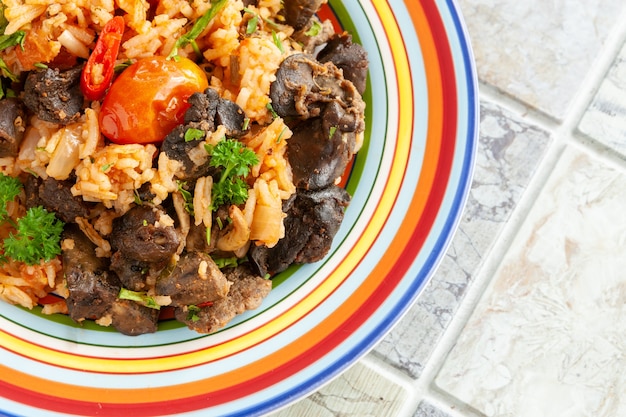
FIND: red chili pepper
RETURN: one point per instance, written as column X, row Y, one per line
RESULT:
column 205, row 304
column 104, row 54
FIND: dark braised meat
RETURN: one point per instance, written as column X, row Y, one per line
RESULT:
column 310, row 41
column 55, row 196
column 246, row 293
column 303, row 86
column 321, row 148
column 53, row 95
column 331, row 113
column 191, row 154
column 297, row 13
column 132, row 273
column 132, row 319
column 208, row 111
column 350, row 57
column 12, row 122
column 92, row 287
column 313, row 219
column 139, row 235
column 196, row 279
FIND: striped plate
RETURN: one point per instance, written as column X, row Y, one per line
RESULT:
column 409, row 185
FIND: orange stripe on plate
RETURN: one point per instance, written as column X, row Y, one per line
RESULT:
column 333, row 322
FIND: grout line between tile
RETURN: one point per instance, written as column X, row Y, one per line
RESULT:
column 564, row 133
column 389, row 372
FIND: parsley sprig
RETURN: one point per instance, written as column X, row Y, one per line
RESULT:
column 235, row 159
column 37, row 234
column 7, row 41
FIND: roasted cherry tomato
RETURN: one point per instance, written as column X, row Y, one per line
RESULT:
column 98, row 71
column 149, row 99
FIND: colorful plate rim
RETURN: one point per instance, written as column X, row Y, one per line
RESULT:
column 409, row 187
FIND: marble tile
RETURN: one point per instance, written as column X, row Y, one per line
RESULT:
column 509, row 151
column 539, row 51
column 605, row 120
column 359, row 392
column 428, row 410
column 548, row 338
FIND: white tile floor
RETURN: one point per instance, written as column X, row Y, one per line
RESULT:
column 525, row 316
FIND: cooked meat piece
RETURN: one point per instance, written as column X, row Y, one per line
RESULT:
column 141, row 235
column 92, row 288
column 320, row 148
column 310, row 41
column 132, row 319
column 53, row 95
column 197, row 240
column 196, row 279
column 191, row 154
column 203, row 108
column 12, row 121
column 131, row 273
column 312, row 221
column 298, row 12
column 350, row 57
column 246, row 293
column 145, row 193
column 247, row 3
column 304, row 86
column 208, row 111
column 55, row 196
column 295, row 92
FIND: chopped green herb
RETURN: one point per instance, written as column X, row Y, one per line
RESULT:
column 123, row 65
column 230, row 262
column 138, row 200
column 105, row 167
column 278, row 42
column 280, row 136
column 5, row 71
column 40, row 65
column 314, row 30
column 246, row 123
column 192, row 134
column 235, row 160
column 331, row 132
column 145, row 222
column 272, row 24
column 3, row 20
column 187, row 197
column 192, row 313
column 197, row 28
column 252, row 23
column 272, row 111
column 139, row 297
column 10, row 188
column 16, row 38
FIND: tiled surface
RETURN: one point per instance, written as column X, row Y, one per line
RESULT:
column 359, row 392
column 539, row 51
column 550, row 326
column 525, row 316
column 604, row 121
column 509, row 151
